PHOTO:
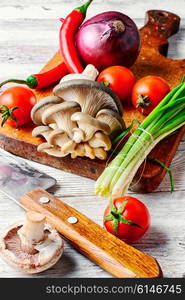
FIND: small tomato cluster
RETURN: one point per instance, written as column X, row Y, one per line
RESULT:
column 144, row 94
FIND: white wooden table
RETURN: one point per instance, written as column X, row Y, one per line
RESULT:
column 28, row 39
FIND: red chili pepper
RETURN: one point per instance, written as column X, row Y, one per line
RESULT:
column 67, row 38
column 42, row 80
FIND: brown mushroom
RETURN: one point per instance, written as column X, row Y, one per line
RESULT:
column 89, row 125
column 31, row 247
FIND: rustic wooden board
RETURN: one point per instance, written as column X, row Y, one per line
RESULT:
column 159, row 26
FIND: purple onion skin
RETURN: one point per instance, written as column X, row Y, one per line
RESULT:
column 104, row 42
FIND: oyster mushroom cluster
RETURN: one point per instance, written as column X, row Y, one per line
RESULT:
column 80, row 118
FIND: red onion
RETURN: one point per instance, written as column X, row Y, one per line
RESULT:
column 108, row 39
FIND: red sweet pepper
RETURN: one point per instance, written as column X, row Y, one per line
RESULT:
column 67, row 38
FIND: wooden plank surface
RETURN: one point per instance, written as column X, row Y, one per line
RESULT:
column 150, row 61
column 22, row 52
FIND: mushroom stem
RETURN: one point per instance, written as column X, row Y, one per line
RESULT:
column 32, row 232
column 91, row 72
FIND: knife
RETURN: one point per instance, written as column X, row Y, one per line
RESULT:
column 27, row 187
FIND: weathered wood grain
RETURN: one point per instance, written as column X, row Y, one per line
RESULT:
column 166, row 239
column 111, row 254
column 152, row 174
column 51, row 9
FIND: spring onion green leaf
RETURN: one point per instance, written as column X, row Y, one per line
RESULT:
column 167, row 169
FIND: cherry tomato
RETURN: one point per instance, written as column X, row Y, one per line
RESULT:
column 15, row 105
column 148, row 92
column 127, row 218
column 120, row 79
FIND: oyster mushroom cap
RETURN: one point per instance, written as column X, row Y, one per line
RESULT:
column 100, row 140
column 46, row 245
column 41, row 105
column 78, row 135
column 113, row 119
column 78, row 151
column 89, row 124
column 55, row 152
column 92, row 96
column 53, row 126
column 51, row 150
column 61, row 114
column 89, row 151
column 55, row 135
column 100, row 153
column 44, row 146
column 42, row 131
column 68, row 147
column 54, row 138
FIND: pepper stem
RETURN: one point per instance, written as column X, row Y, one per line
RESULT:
column 13, row 81
column 31, row 81
column 84, row 7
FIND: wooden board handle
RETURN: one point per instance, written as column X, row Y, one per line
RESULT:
column 110, row 253
column 159, row 26
column 162, row 23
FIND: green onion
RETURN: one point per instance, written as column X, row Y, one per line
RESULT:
column 125, row 132
column 166, row 118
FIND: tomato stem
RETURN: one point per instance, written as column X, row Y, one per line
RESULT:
column 143, row 101
column 116, row 216
column 7, row 113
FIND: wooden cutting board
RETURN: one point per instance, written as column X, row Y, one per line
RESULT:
column 158, row 27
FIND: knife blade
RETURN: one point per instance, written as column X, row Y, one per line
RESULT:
column 18, row 178
column 24, row 185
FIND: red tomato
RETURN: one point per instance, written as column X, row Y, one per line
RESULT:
column 120, row 79
column 127, row 218
column 20, row 98
column 148, row 92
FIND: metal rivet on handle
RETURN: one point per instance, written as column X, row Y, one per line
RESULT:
column 44, row 200
column 72, row 220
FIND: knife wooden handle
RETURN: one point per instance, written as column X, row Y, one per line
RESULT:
column 103, row 248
